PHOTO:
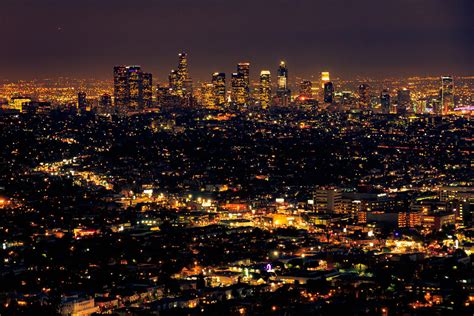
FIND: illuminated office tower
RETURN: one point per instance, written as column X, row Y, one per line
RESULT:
column 328, row 92
column 265, row 88
column 244, row 70
column 183, row 67
column 364, row 97
column 324, row 78
column 385, row 101
column 207, row 95
column 218, row 83
column 447, row 95
column 179, row 82
column 121, row 88
column 238, row 89
column 283, row 93
column 403, row 101
column 81, row 101
column 147, row 89
column 135, row 82
column 174, row 85
column 282, row 78
column 306, row 89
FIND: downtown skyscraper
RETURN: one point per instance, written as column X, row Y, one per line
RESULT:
column 121, row 87
column 180, row 83
column 219, row 88
column 243, row 69
column 265, row 92
column 283, row 93
column 328, row 92
column 133, row 89
column 447, row 95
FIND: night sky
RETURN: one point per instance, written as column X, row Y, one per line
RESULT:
column 378, row 38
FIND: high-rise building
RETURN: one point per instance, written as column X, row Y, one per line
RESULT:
column 147, row 89
column 403, row 101
column 244, row 70
column 183, row 68
column 121, row 87
column 328, row 92
column 447, row 95
column 81, row 101
column 174, row 85
column 180, row 83
column 324, row 78
column 306, row 89
column 283, row 93
column 364, row 96
column 105, row 101
column 265, row 88
column 207, row 95
column 238, row 92
column 385, row 101
column 218, row 83
column 135, row 82
column 282, row 78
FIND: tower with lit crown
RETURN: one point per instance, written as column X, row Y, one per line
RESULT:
column 219, row 89
column 283, row 93
column 238, row 92
column 265, row 88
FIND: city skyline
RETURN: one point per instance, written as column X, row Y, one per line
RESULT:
column 284, row 157
column 366, row 39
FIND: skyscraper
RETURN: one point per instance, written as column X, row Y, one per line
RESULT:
column 385, row 101
column 207, row 95
column 244, row 70
column 265, row 88
column 324, row 78
column 219, row 89
column 135, row 82
column 147, row 89
column 183, row 67
column 328, row 92
column 306, row 89
column 403, row 101
column 283, row 93
column 179, row 82
column 81, row 101
column 447, row 95
column 121, row 87
column 238, row 92
column 364, row 96
column 174, row 85
column 282, row 77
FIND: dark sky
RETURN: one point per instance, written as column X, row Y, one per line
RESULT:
column 85, row 38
